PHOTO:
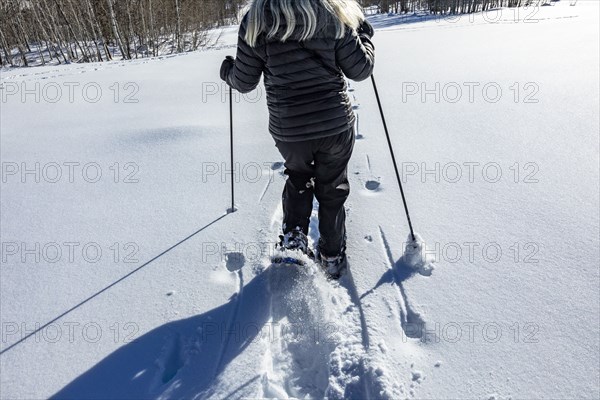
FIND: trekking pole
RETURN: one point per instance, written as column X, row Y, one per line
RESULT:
column 232, row 210
column 387, row 134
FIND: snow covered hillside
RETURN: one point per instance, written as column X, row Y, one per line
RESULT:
column 123, row 277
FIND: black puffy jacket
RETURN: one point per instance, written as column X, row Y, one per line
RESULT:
column 304, row 81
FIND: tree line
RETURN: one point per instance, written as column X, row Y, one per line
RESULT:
column 445, row 6
column 65, row 31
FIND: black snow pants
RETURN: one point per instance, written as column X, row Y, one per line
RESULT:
column 318, row 168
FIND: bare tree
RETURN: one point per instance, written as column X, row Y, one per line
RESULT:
column 115, row 28
column 178, row 29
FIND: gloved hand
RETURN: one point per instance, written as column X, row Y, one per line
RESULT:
column 226, row 66
column 366, row 29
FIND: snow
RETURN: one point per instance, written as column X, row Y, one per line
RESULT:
column 416, row 255
column 502, row 301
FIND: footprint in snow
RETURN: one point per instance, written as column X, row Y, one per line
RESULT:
column 372, row 185
column 276, row 165
column 234, row 261
column 370, row 181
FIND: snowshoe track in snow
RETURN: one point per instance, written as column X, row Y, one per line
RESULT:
column 316, row 346
column 276, row 166
column 410, row 320
column 371, row 183
column 318, row 341
column 238, row 300
column 173, row 359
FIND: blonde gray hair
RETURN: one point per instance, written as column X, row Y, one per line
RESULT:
column 345, row 13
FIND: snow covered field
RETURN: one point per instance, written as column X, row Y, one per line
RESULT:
column 122, row 276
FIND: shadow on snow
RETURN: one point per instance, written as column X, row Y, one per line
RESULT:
column 180, row 359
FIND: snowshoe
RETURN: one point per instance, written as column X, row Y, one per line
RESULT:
column 293, row 249
column 283, row 258
column 296, row 240
column 334, row 267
